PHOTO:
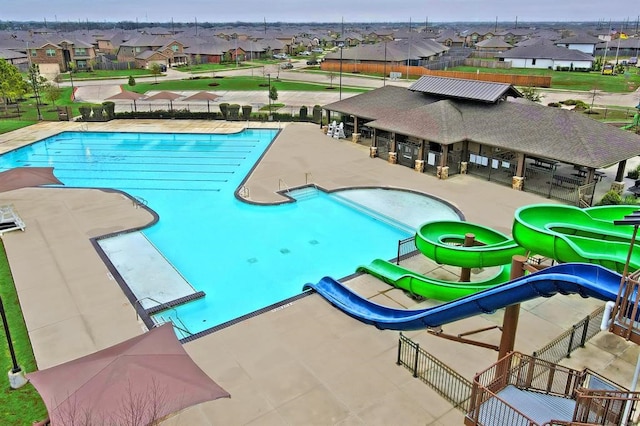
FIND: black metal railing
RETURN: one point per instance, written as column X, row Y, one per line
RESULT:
column 440, row 377
column 406, row 247
column 572, row 339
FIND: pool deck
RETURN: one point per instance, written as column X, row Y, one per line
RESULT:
column 305, row 362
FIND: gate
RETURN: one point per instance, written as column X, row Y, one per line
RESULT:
column 407, row 153
column 491, row 168
column 454, row 158
column 432, row 161
column 383, row 142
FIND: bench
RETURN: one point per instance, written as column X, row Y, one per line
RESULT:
column 560, row 180
column 545, row 164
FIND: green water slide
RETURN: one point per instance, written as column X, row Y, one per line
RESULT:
column 563, row 233
column 634, row 123
column 571, row 234
column 429, row 287
column 442, row 241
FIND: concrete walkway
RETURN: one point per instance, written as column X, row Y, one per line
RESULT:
column 305, row 362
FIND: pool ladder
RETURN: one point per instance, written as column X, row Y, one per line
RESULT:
column 243, row 191
column 282, row 184
column 138, row 201
column 177, row 323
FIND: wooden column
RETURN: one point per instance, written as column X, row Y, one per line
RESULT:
column 465, row 273
column 512, row 312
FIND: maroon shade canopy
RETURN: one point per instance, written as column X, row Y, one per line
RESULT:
column 24, row 177
column 149, row 376
column 168, row 96
column 203, row 96
column 127, row 95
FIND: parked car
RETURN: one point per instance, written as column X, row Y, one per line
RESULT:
column 633, row 60
column 286, row 65
column 280, row 56
column 317, row 50
column 305, row 53
column 313, row 62
column 608, row 70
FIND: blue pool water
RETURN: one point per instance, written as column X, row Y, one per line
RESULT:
column 244, row 257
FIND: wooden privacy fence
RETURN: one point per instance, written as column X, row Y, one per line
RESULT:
column 415, row 71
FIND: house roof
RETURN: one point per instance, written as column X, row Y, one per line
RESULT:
column 484, row 91
column 579, row 39
column 516, row 124
column 546, row 51
column 495, row 43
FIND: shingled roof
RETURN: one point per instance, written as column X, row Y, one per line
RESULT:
column 516, row 124
column 485, row 91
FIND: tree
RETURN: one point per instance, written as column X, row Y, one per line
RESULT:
column 331, row 76
column 12, row 85
column 530, row 93
column 37, row 83
column 52, row 92
column 156, row 70
column 273, row 93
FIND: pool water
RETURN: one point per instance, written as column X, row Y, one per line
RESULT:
column 244, row 257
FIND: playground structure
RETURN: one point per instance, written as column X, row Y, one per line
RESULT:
column 595, row 257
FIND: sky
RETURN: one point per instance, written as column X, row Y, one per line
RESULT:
column 318, row 11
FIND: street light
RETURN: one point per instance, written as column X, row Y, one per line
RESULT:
column 341, row 46
column 16, row 376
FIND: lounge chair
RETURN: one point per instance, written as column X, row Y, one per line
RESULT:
column 339, row 132
column 332, row 128
column 9, row 219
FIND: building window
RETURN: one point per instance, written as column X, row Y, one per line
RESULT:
column 137, row 49
column 174, row 48
column 51, row 52
column 34, row 52
column 80, row 51
column 533, row 61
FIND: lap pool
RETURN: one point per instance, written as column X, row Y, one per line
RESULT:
column 243, row 257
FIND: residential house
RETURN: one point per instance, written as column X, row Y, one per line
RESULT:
column 132, row 51
column 583, row 42
column 493, row 44
column 547, row 56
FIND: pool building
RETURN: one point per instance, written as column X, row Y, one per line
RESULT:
column 447, row 126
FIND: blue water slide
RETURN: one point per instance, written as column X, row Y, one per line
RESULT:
column 587, row 280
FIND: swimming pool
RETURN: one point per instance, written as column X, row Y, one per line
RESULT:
column 244, row 257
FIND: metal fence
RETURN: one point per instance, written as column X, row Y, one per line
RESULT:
column 570, row 340
column 440, row 377
column 406, row 247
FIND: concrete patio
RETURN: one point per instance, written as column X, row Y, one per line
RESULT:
column 302, row 363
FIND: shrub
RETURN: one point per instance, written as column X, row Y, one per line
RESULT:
column 246, row 111
column 233, row 111
column 317, row 113
column 85, row 111
column 224, row 109
column 303, row 112
column 109, row 109
column 554, row 104
column 634, row 173
column 132, row 81
column 611, row 198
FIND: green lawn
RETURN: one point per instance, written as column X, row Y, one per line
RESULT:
column 234, row 83
column 203, row 68
column 17, row 406
column 627, row 82
column 97, row 74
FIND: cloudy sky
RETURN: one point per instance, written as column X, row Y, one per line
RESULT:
column 317, row 11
